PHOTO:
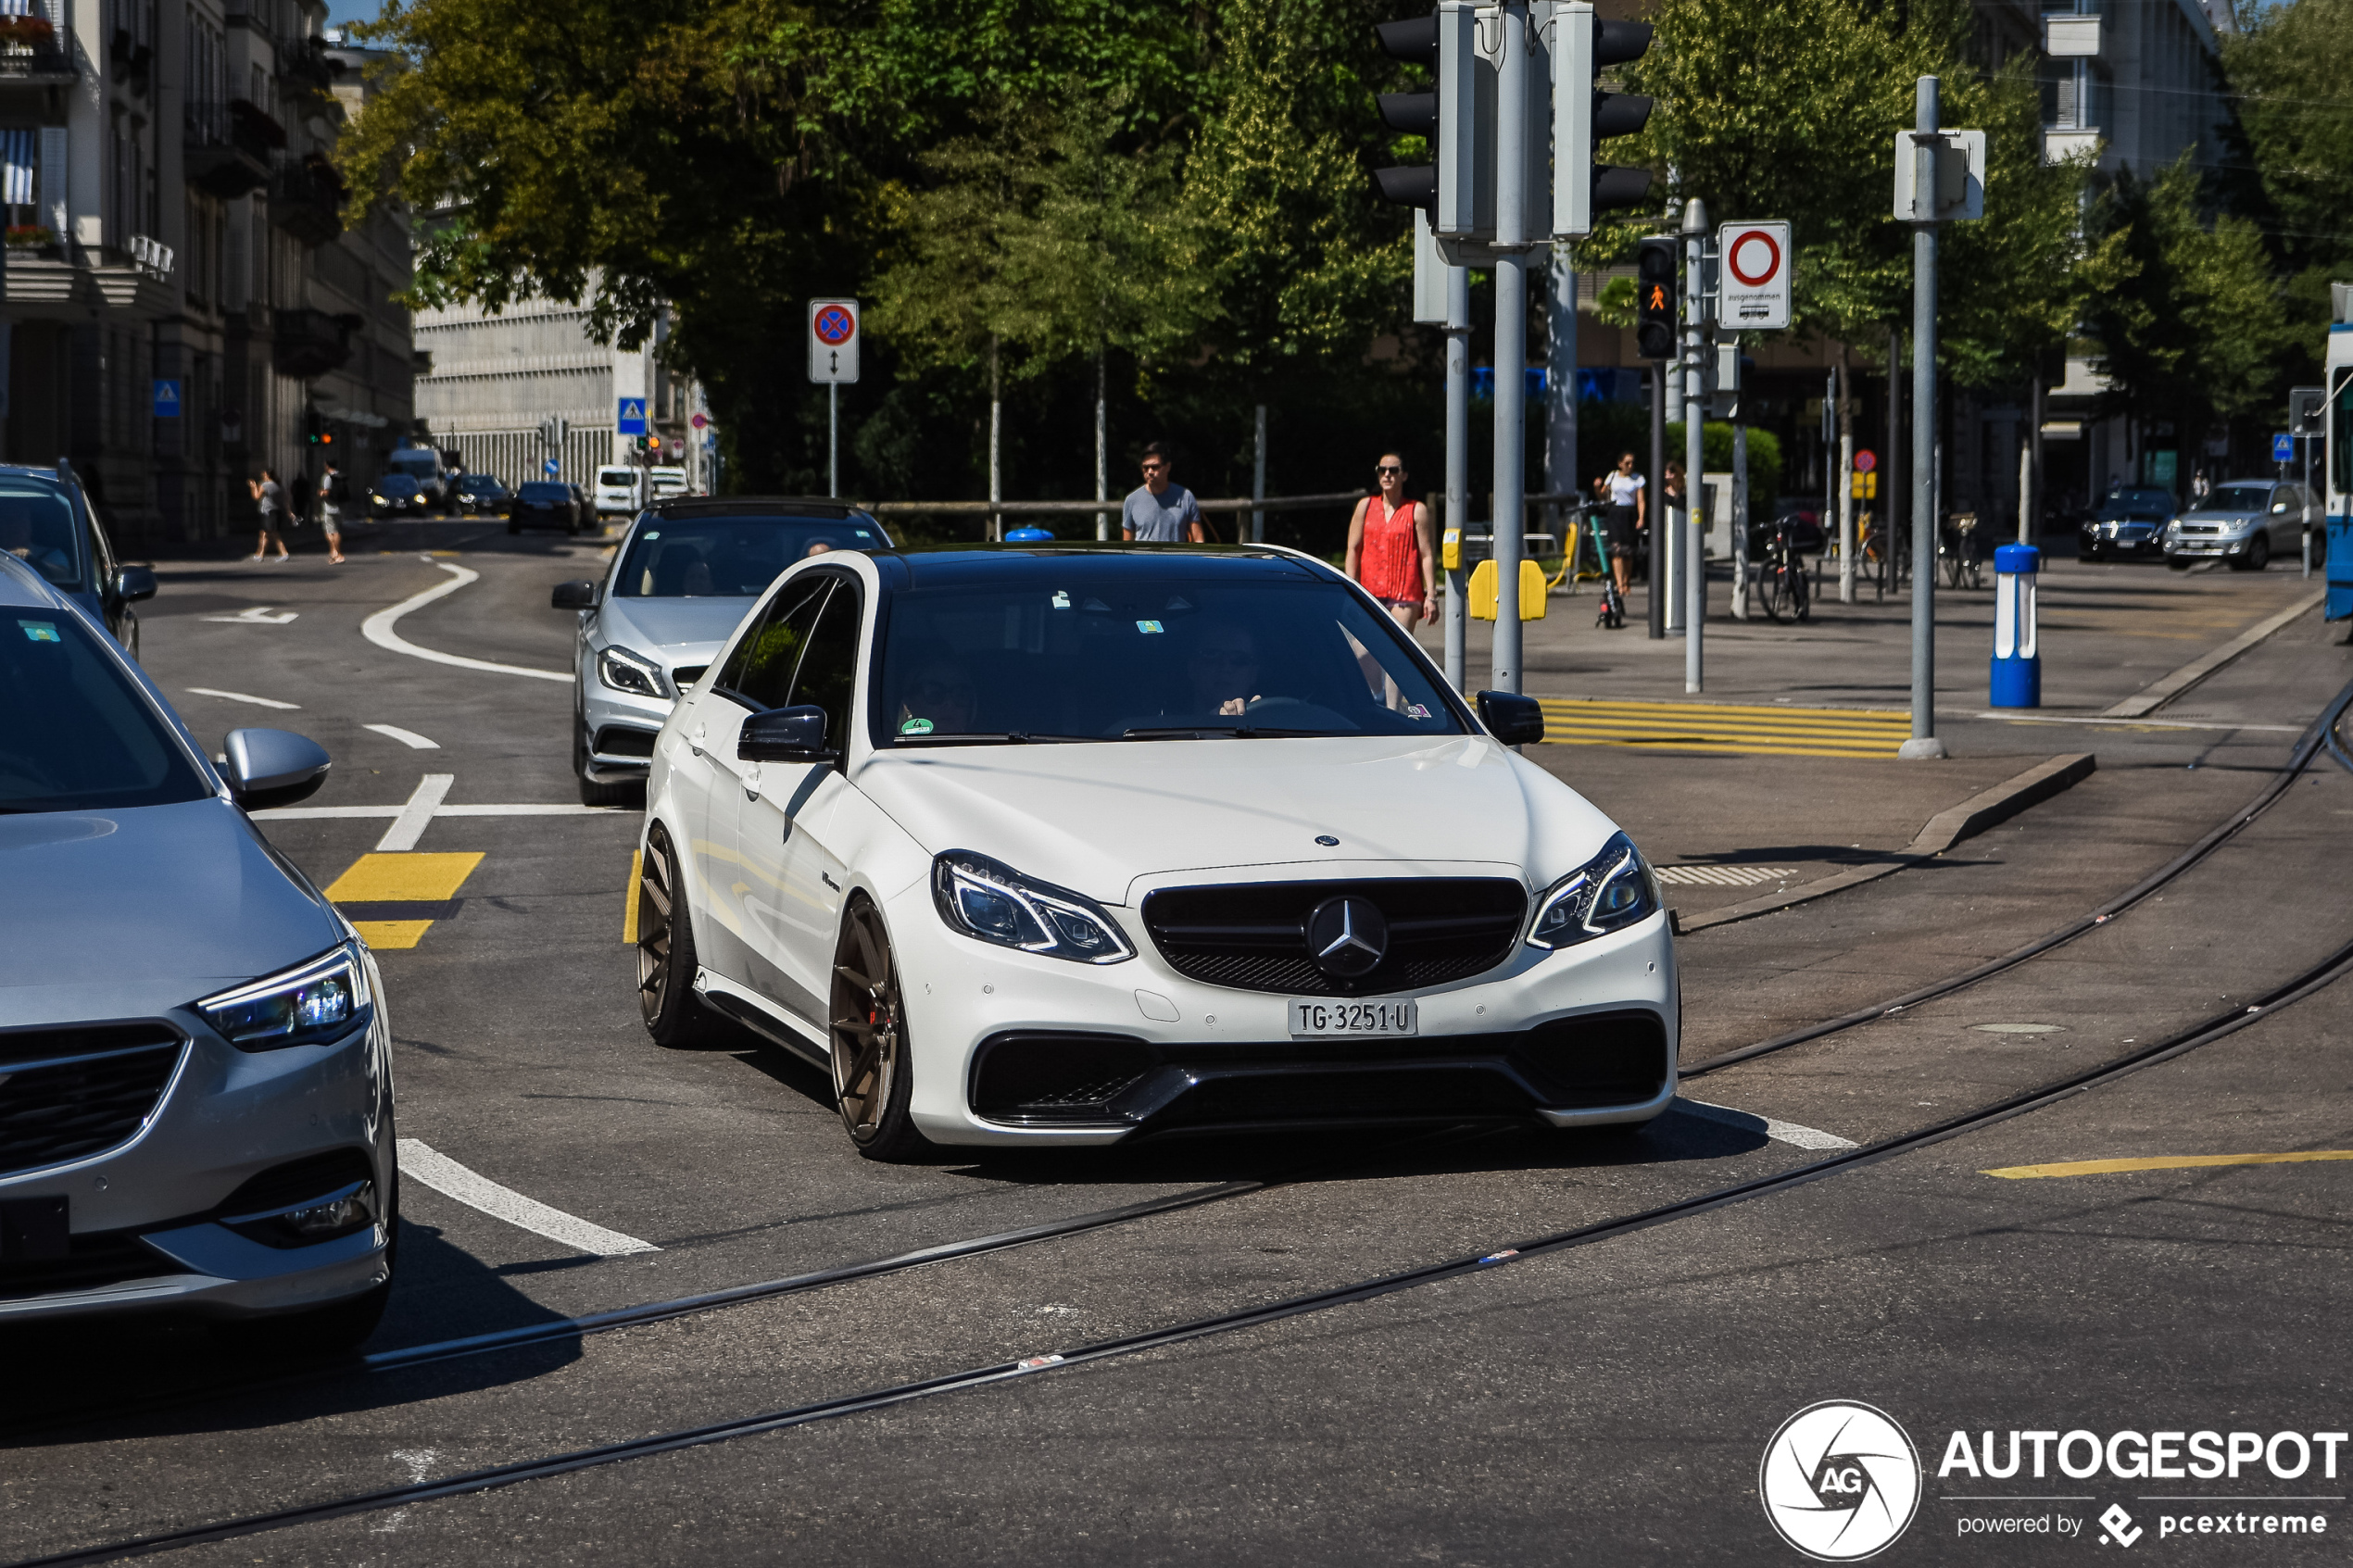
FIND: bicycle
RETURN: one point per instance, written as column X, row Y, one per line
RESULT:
column 1956, row 543
column 1783, row 586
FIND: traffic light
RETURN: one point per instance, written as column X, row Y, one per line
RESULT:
column 1415, row 40
column 1583, row 115
column 1655, row 305
column 1445, row 114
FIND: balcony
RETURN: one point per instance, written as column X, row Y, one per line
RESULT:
column 226, row 147
column 306, row 200
column 308, row 343
column 30, row 52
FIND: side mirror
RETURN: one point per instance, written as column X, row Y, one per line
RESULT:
column 1512, row 719
column 783, row 734
column 574, row 595
column 266, row 767
column 133, row 584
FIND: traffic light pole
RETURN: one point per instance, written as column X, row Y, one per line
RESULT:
column 1694, row 553
column 1924, row 744
column 1510, row 337
column 1655, row 506
column 1457, row 518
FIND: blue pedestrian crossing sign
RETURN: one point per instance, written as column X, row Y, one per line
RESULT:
column 633, row 416
column 2282, row 448
column 552, row 467
column 167, row 399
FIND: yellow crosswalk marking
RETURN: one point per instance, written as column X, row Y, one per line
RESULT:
column 386, row 935
column 629, row 912
column 2163, row 1162
column 377, row 879
column 1726, row 729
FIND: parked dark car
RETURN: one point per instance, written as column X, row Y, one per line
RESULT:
column 2129, row 521
column 483, row 494
column 543, row 503
column 398, row 495
column 589, row 520
column 48, row 522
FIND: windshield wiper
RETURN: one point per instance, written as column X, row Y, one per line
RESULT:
column 989, row 737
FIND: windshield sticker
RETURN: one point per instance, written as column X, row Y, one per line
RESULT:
column 1148, row 627
column 915, row 727
column 1415, row 710
column 653, row 534
column 1177, row 607
column 1062, row 600
column 41, row 631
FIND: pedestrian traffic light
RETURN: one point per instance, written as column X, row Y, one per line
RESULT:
column 1655, row 301
column 1444, row 114
column 1584, row 114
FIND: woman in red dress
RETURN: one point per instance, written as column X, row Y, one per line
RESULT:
column 1392, row 547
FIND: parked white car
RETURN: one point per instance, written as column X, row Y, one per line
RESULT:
column 1054, row 845
column 616, row 492
column 669, row 481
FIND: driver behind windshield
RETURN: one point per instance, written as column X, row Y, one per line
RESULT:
column 940, row 700
column 1223, row 670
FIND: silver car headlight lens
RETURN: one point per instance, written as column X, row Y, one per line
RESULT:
column 988, row 901
column 1610, row 892
column 315, row 1003
column 627, row 671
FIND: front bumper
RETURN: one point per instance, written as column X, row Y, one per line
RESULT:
column 1543, row 1036
column 621, row 725
column 143, row 1215
column 2193, row 547
column 2122, row 542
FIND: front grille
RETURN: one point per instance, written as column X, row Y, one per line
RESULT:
column 1253, row 936
column 618, row 740
column 90, row 1262
column 89, row 1089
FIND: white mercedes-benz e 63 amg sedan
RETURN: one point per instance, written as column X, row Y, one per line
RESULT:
column 1073, row 843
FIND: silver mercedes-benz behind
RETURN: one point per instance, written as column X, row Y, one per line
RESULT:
column 196, row 1069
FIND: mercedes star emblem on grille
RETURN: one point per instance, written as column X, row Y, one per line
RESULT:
column 1347, row 937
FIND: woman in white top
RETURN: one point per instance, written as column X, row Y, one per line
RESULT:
column 1628, row 507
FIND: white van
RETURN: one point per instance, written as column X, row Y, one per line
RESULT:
column 669, row 481
column 616, row 492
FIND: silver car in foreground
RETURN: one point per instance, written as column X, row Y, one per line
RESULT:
column 2245, row 521
column 196, row 1069
column 682, row 578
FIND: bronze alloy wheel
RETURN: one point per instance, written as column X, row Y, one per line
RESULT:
column 666, row 962
column 871, row 1078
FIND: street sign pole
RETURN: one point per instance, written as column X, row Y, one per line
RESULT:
column 1924, row 744
column 1458, row 518
column 833, row 439
column 1511, row 336
column 1694, row 553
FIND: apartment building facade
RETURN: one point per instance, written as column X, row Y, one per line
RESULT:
column 183, row 305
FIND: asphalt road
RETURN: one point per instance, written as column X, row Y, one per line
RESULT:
column 1607, row 1401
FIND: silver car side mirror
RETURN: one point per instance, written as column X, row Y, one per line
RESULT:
column 267, row 767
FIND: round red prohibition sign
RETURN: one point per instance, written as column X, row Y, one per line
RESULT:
column 1738, row 260
column 834, row 326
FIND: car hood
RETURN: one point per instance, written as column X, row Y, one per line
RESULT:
column 130, row 912
column 674, row 627
column 1097, row 818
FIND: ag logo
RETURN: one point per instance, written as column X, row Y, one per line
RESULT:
column 1839, row 1481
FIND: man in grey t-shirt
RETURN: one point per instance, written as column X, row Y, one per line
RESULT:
column 1159, row 511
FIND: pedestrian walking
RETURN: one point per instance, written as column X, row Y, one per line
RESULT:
column 270, row 498
column 1160, row 511
column 1392, row 546
column 333, row 492
column 1628, row 518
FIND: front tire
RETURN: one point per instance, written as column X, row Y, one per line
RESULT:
column 872, row 1080
column 2258, row 554
column 666, row 962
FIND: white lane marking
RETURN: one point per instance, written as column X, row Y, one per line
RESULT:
column 526, row 810
column 420, row 1464
column 245, row 697
column 256, row 615
column 447, row 1178
column 415, row 817
column 1780, row 1132
column 378, row 629
column 410, row 738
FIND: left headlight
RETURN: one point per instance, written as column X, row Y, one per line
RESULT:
column 1610, row 892
column 312, row 1004
column 627, row 671
column 987, row 899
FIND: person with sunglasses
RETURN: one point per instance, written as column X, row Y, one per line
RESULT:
column 1392, row 547
column 1160, row 511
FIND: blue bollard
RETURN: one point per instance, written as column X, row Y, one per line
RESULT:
column 1029, row 534
column 2018, row 660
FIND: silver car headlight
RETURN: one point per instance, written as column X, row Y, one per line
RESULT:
column 1610, row 892
column 315, row 1003
column 990, row 901
column 627, row 671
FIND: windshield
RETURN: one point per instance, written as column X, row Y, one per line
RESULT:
column 1079, row 653
column 544, row 491
column 397, row 484
column 2235, row 499
column 415, row 457
column 37, row 527
column 617, row 477
column 79, row 735
column 729, row 557
column 479, row 484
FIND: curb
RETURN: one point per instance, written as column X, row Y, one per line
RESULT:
column 2156, row 695
column 1942, row 831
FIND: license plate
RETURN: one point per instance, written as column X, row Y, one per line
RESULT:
column 1311, row 1020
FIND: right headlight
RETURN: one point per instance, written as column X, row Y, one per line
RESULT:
column 627, row 671
column 1610, row 892
column 315, row 1003
column 992, row 902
